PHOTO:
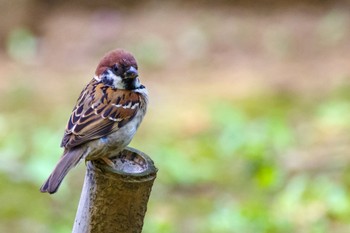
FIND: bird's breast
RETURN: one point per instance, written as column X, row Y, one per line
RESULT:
column 115, row 142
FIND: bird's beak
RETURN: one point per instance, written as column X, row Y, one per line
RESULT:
column 131, row 73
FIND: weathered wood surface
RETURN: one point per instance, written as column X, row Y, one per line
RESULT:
column 115, row 200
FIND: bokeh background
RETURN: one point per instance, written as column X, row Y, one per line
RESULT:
column 248, row 122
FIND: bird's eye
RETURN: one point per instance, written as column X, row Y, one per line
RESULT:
column 115, row 68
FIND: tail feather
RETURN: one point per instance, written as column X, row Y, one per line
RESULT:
column 69, row 160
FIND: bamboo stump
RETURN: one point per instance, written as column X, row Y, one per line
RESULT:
column 114, row 200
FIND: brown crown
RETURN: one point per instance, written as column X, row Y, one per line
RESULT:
column 118, row 56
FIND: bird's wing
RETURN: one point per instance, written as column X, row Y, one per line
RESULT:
column 99, row 111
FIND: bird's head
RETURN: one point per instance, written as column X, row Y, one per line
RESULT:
column 118, row 69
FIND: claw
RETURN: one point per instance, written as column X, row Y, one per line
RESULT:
column 108, row 162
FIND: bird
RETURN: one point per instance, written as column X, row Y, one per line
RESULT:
column 105, row 118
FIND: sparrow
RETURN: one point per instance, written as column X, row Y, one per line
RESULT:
column 105, row 118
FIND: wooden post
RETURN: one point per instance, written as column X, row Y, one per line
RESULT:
column 115, row 200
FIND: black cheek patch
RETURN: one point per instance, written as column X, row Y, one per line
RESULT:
column 107, row 79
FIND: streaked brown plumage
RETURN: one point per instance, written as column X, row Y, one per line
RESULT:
column 105, row 118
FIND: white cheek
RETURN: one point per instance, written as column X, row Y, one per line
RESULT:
column 117, row 82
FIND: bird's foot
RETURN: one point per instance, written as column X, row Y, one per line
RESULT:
column 108, row 162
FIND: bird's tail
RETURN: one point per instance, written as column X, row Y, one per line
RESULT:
column 69, row 160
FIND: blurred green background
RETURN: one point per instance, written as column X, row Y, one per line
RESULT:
column 249, row 114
